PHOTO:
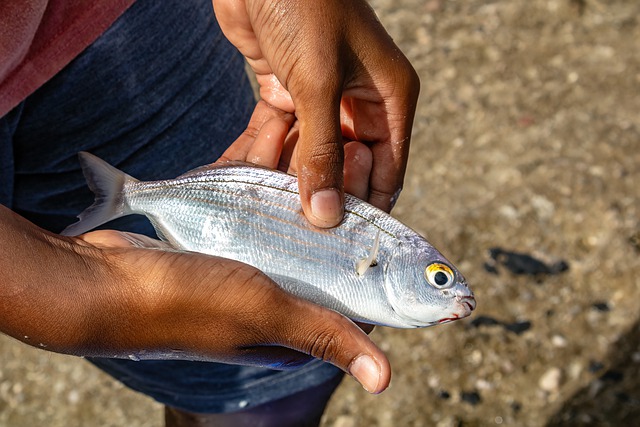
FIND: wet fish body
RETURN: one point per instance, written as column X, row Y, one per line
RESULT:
column 371, row 268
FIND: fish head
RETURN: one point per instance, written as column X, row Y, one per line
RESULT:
column 425, row 289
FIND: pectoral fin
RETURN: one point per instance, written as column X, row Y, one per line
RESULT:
column 363, row 265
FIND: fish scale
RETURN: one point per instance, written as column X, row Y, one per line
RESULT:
column 260, row 244
column 253, row 215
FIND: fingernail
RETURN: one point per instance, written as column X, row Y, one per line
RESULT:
column 367, row 372
column 326, row 207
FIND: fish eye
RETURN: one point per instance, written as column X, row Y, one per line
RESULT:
column 439, row 275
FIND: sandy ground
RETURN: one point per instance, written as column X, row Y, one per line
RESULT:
column 527, row 139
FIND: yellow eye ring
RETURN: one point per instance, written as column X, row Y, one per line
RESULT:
column 439, row 275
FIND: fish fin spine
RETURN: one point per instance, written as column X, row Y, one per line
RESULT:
column 371, row 260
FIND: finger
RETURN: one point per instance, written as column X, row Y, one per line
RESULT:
column 267, row 146
column 262, row 114
column 390, row 153
column 329, row 336
column 387, row 174
column 319, row 159
column 289, row 152
column 387, row 136
column 358, row 162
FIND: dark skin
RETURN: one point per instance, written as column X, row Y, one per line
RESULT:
column 108, row 293
column 328, row 73
column 333, row 66
column 111, row 294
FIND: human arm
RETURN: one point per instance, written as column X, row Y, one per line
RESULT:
column 331, row 67
column 114, row 294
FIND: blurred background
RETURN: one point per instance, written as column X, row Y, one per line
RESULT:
column 525, row 172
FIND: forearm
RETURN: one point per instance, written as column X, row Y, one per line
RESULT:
column 51, row 287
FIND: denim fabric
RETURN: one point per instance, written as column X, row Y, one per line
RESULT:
column 161, row 92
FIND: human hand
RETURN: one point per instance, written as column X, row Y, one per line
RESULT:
column 115, row 294
column 331, row 66
column 270, row 140
column 217, row 309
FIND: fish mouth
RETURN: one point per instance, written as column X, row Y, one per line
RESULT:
column 466, row 303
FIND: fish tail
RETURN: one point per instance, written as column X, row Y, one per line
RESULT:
column 107, row 183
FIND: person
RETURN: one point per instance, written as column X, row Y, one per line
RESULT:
column 156, row 89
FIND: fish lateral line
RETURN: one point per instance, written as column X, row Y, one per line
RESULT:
column 262, row 184
column 180, row 183
column 372, row 222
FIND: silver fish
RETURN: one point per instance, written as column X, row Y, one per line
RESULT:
column 371, row 268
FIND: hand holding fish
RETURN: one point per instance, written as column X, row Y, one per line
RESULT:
column 148, row 303
column 269, row 141
column 331, row 66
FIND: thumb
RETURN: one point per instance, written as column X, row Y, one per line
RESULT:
column 319, row 158
column 328, row 335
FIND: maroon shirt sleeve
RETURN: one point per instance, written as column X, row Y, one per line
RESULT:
column 39, row 37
